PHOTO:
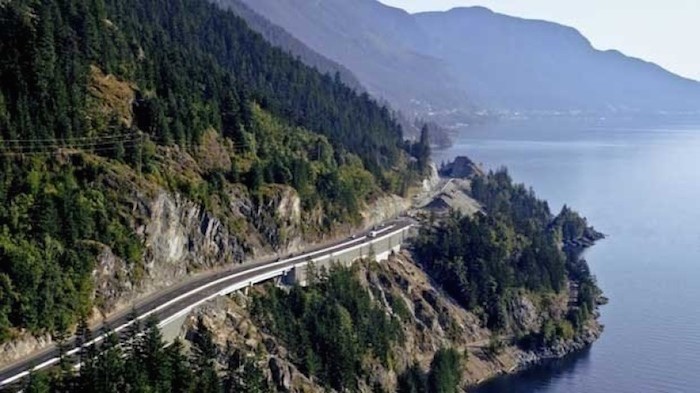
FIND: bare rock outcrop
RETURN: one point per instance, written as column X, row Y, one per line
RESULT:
column 461, row 168
column 430, row 320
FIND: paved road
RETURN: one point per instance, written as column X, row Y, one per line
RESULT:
column 174, row 301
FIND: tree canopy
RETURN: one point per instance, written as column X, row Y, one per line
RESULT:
column 94, row 92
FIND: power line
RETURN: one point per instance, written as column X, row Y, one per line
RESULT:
column 19, row 147
column 74, row 145
column 54, row 140
column 64, row 150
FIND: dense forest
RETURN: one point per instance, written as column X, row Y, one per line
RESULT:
column 281, row 38
column 91, row 90
column 141, row 362
column 335, row 330
column 194, row 66
column 330, row 328
column 515, row 244
column 444, row 375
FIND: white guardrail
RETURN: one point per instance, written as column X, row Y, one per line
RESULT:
column 328, row 254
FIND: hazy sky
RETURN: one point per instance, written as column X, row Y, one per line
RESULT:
column 666, row 32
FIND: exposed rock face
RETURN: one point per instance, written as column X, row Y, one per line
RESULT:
column 181, row 237
column 17, row 349
column 430, row 320
column 232, row 329
column 525, row 316
column 276, row 216
column 462, row 168
column 454, row 196
column 385, row 208
column 111, row 278
column 282, row 374
column 433, row 179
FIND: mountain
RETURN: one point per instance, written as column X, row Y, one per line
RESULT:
column 378, row 44
column 470, row 57
column 531, row 65
column 279, row 37
column 143, row 139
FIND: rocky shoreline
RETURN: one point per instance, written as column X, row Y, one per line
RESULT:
column 560, row 349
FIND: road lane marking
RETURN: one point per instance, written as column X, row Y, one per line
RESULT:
column 189, row 308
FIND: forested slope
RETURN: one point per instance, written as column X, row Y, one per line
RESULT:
column 95, row 92
column 279, row 37
column 515, row 246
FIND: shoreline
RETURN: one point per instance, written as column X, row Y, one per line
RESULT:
column 531, row 359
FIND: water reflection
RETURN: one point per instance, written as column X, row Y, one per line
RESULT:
column 539, row 377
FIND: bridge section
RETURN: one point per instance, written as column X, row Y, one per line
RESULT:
column 172, row 306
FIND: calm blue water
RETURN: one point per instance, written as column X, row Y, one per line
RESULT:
column 640, row 184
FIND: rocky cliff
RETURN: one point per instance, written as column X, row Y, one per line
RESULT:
column 430, row 320
column 182, row 236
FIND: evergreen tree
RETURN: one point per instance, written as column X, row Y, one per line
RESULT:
column 412, row 380
column 64, row 379
column 38, row 383
column 423, row 149
column 445, row 372
column 243, row 375
column 110, row 375
column 68, row 70
column 205, row 368
column 181, row 376
column 6, row 303
column 87, row 376
column 150, row 356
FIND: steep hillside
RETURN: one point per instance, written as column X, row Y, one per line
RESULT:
column 399, row 347
column 380, row 45
column 497, row 62
column 476, row 296
column 279, row 37
column 143, row 140
column 529, row 65
column 374, row 328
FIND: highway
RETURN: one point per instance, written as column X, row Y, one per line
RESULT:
column 176, row 302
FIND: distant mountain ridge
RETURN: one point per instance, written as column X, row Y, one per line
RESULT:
column 375, row 42
column 438, row 64
column 279, row 37
column 536, row 65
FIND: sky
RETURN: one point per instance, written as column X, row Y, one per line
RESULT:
column 666, row 32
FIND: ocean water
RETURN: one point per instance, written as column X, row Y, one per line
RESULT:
column 638, row 182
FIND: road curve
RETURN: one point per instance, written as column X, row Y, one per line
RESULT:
column 166, row 305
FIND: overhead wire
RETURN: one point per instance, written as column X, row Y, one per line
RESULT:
column 98, row 143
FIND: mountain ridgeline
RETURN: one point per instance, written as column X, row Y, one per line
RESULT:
column 103, row 101
column 376, row 43
column 279, row 37
column 439, row 64
column 195, row 67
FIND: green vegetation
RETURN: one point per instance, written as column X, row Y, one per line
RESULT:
column 444, row 376
column 56, row 219
column 330, row 327
column 482, row 261
column 194, row 67
column 141, row 363
column 101, row 97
